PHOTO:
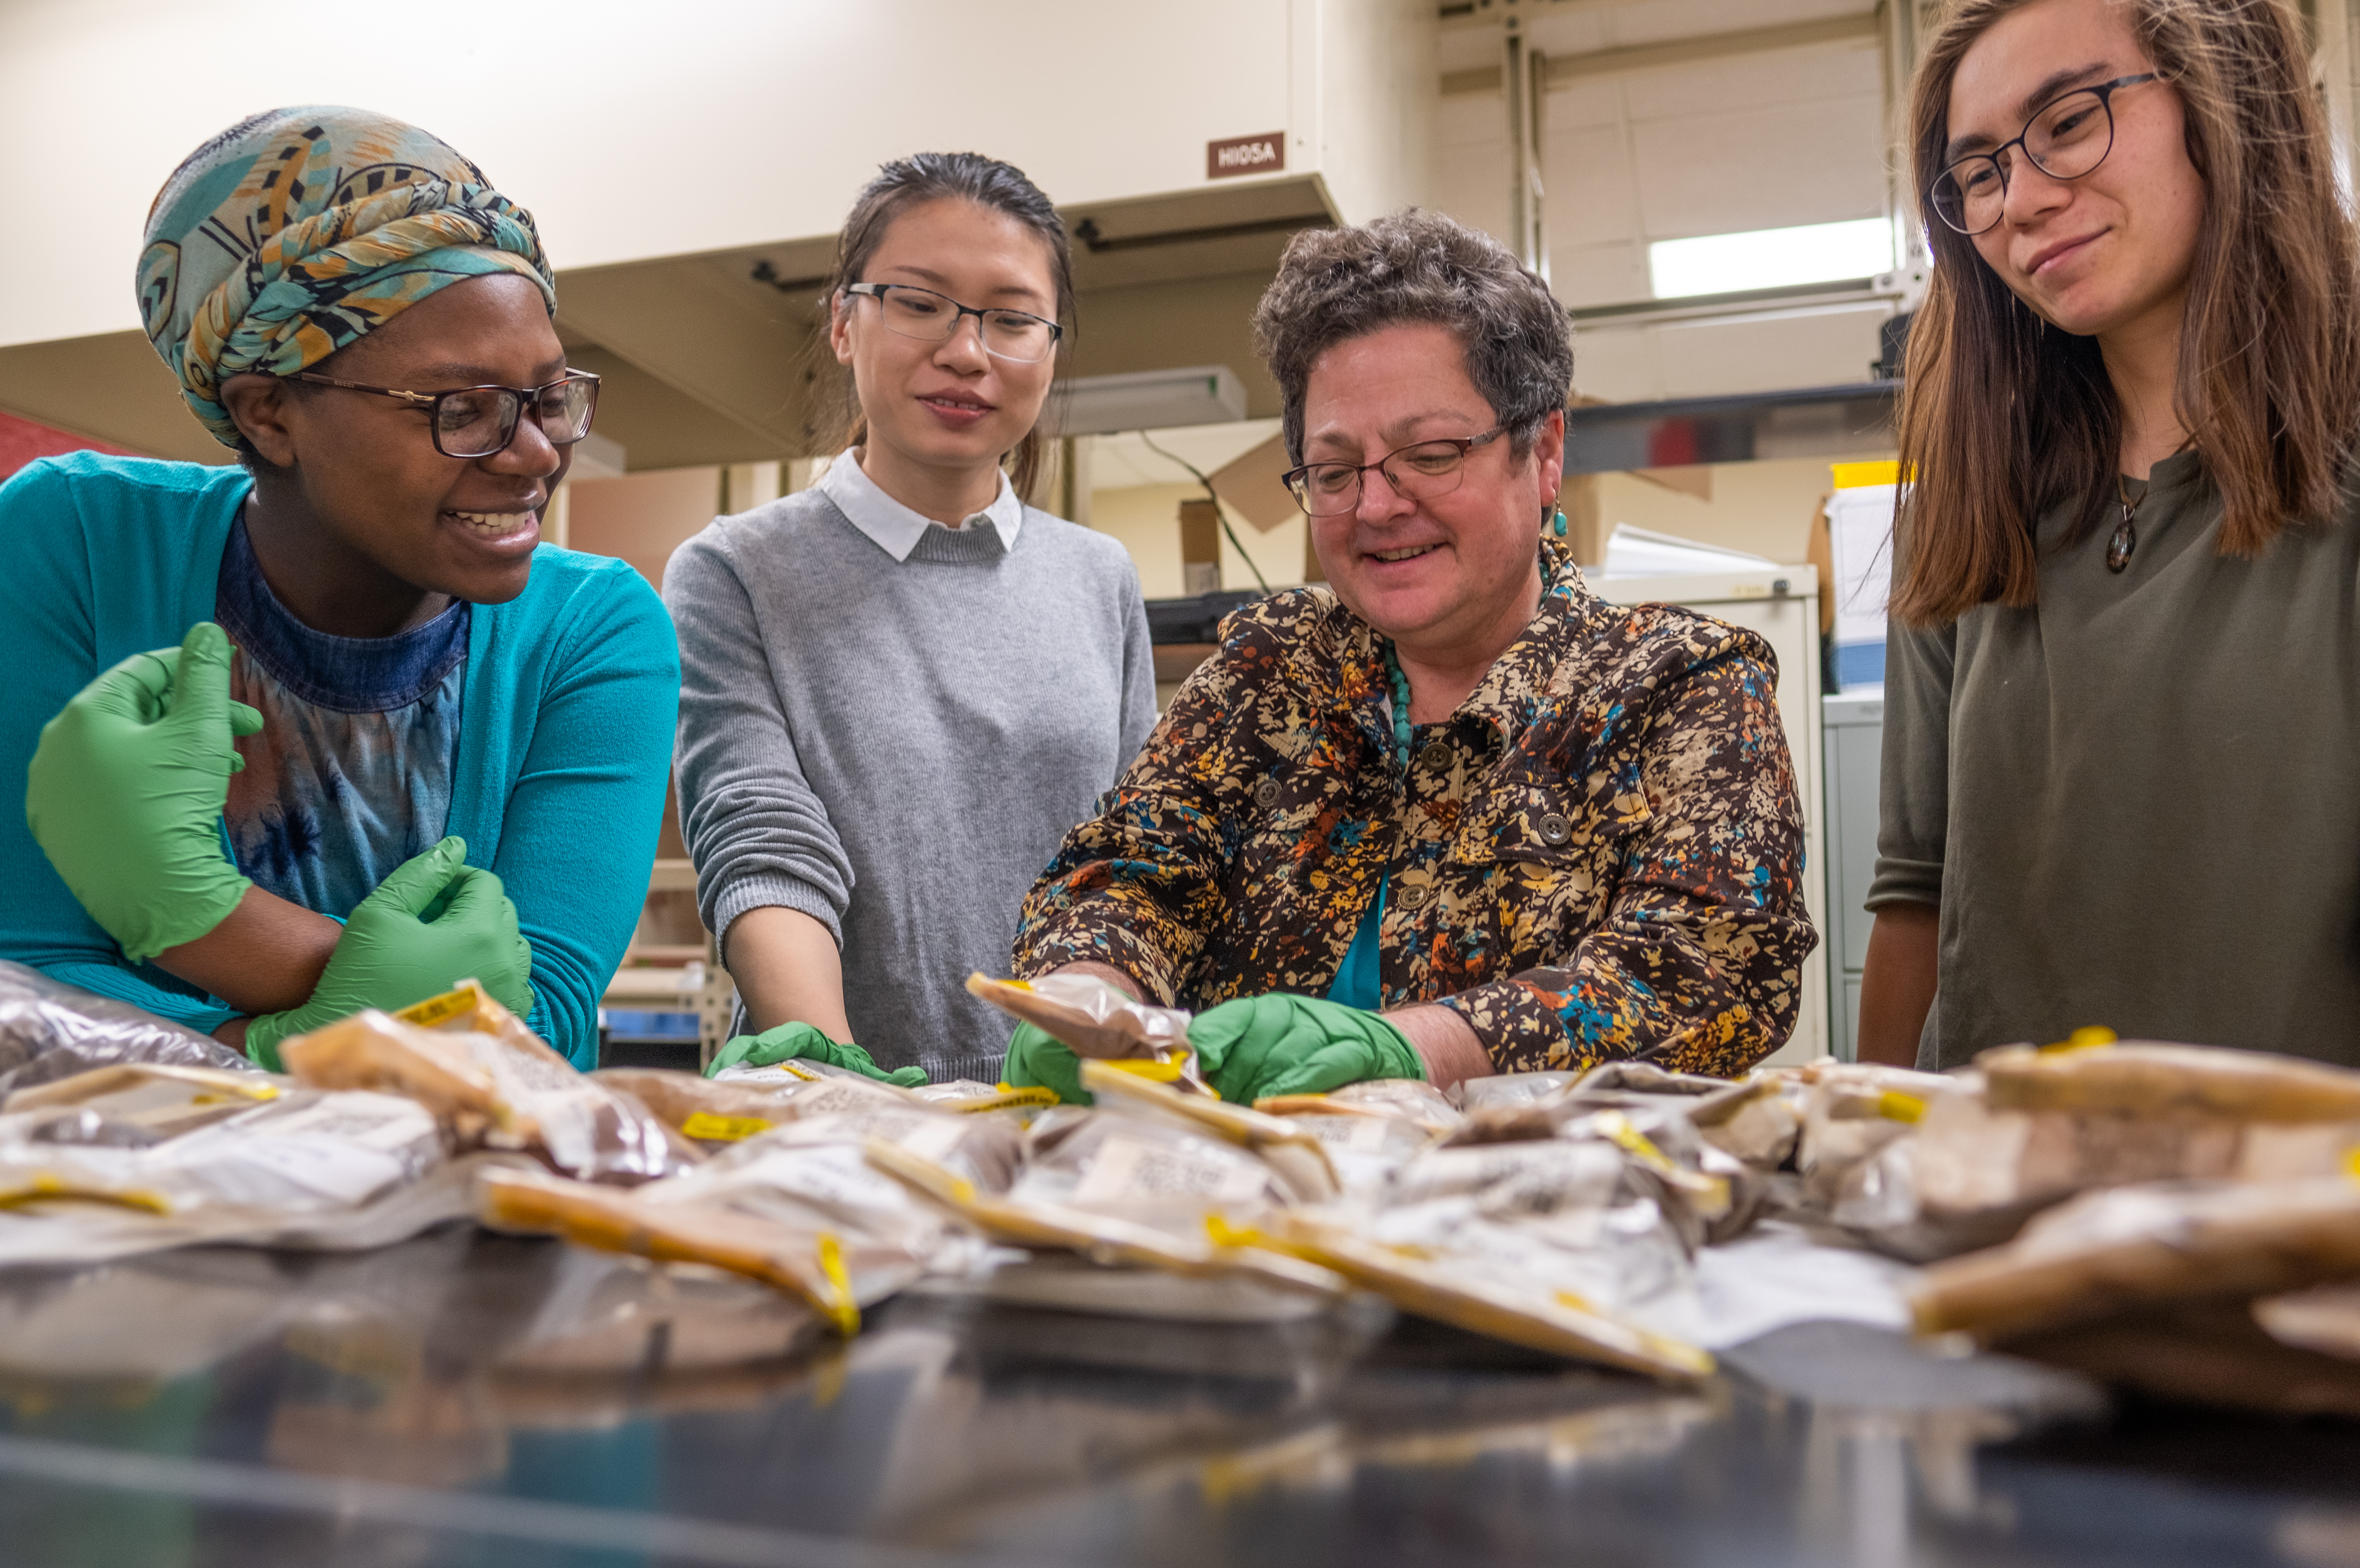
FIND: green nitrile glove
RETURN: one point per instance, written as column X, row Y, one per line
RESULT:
column 125, row 791
column 804, row 1042
column 1038, row 1060
column 1259, row 1046
column 434, row 921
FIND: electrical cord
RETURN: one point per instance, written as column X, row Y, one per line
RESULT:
column 1260, row 581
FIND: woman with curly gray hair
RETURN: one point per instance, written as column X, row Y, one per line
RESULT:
column 1453, row 814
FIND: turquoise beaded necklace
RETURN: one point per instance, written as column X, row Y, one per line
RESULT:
column 1401, row 706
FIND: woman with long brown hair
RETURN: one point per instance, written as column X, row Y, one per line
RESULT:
column 2122, row 748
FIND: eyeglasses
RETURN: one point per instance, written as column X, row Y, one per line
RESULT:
column 922, row 313
column 2065, row 139
column 477, row 421
column 1418, row 472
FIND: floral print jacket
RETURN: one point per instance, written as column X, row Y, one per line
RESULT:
column 1597, row 856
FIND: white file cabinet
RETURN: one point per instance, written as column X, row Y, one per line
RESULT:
column 1853, row 726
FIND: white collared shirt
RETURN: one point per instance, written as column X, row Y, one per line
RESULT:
column 896, row 528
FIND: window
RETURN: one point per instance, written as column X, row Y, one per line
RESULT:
column 1769, row 258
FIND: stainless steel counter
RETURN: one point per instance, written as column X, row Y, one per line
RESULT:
column 469, row 1398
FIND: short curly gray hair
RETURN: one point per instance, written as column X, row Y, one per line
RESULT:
column 1334, row 285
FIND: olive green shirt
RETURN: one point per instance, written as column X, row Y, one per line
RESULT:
column 2137, row 801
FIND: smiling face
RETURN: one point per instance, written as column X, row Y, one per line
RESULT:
column 2109, row 252
column 1453, row 578
column 363, row 469
column 948, row 407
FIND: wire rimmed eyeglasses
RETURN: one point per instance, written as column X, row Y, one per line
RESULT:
column 479, row 421
column 1418, row 472
column 2066, row 138
column 914, row 312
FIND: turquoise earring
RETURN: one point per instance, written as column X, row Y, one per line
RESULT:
column 1560, row 524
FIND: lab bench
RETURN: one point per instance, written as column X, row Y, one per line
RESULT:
column 414, row 1406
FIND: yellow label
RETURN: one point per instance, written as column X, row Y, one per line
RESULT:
column 1223, row 1233
column 1895, row 1106
column 1618, row 1128
column 2352, row 1162
column 2087, row 1037
column 844, row 1311
column 1008, row 1098
column 435, row 1011
column 1858, row 475
column 242, row 1092
column 48, row 1185
column 710, row 1128
column 1154, row 1071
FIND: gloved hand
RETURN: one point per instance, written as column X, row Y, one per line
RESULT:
column 125, row 791
column 1037, row 1058
column 804, row 1042
column 433, row 922
column 1258, row 1046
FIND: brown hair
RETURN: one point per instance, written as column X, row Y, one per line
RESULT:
column 2004, row 416
column 1338, row 284
column 990, row 184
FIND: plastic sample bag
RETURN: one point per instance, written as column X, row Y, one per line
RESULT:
column 797, row 1205
column 493, row 1084
column 2107, row 1253
column 49, row 1031
column 1087, row 1014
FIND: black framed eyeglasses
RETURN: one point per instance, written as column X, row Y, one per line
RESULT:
column 477, row 421
column 914, row 312
column 1418, row 472
column 2066, row 138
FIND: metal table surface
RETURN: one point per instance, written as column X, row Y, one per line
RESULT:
column 416, row 1406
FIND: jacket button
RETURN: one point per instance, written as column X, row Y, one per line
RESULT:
column 1436, row 756
column 1554, row 830
column 1413, row 897
column 1266, row 793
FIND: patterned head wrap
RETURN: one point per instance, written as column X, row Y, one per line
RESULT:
column 293, row 232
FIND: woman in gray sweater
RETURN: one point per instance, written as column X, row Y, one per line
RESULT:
column 900, row 687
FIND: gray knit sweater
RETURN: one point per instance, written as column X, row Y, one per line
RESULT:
column 895, row 748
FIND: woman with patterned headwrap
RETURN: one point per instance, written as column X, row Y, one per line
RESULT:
column 396, row 743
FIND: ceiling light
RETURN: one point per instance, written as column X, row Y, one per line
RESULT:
column 1770, row 259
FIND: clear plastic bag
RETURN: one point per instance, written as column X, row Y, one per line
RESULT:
column 494, row 1083
column 1503, row 1091
column 2136, row 1248
column 1152, row 1171
column 176, row 1142
column 1405, row 1099
column 1299, row 1158
column 2151, row 1078
column 1097, row 1020
column 50, row 1029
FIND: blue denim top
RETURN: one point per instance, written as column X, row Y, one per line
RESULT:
column 352, row 773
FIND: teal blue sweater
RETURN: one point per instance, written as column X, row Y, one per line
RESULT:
column 566, row 726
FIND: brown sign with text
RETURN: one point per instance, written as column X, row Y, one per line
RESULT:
column 1264, row 154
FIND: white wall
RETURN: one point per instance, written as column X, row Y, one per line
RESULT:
column 1764, row 508
column 634, row 131
column 1146, row 518
column 1766, row 139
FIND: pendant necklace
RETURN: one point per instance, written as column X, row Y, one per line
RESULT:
column 2126, row 540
